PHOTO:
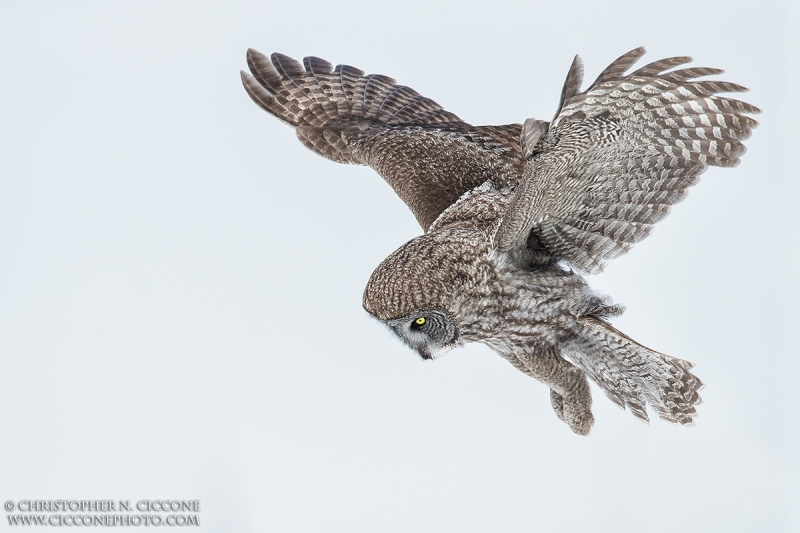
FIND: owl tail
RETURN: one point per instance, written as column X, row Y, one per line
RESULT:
column 632, row 375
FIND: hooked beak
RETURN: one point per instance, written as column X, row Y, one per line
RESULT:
column 433, row 352
column 423, row 352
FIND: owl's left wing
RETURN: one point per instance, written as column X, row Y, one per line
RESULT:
column 618, row 155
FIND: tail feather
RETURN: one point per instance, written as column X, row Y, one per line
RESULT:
column 632, row 375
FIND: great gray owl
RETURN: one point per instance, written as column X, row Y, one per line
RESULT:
column 514, row 214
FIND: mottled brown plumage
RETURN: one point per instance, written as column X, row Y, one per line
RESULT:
column 370, row 120
column 513, row 214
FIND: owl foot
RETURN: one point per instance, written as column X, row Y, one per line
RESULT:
column 575, row 406
column 578, row 415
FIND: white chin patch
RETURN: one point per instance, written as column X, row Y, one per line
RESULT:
column 438, row 352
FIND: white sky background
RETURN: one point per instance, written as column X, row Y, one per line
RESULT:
column 180, row 280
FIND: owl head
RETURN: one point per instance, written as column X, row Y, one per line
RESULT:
column 420, row 290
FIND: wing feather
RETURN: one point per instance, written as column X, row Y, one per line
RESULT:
column 657, row 67
column 618, row 67
column 617, row 157
column 427, row 154
column 573, row 83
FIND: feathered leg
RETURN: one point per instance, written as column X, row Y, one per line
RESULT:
column 569, row 388
column 557, row 401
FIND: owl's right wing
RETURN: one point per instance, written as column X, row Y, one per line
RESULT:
column 618, row 155
column 428, row 155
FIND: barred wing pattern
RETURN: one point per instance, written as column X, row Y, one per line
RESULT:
column 618, row 155
column 428, row 155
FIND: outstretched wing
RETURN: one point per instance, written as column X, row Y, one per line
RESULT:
column 618, row 155
column 428, row 155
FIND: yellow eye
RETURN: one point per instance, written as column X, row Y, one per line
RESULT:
column 420, row 321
